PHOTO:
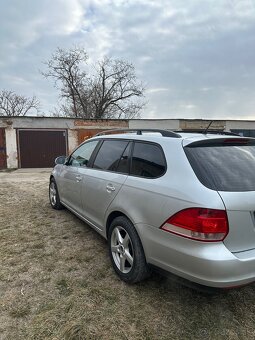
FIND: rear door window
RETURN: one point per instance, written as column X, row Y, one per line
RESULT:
column 224, row 167
column 148, row 160
column 123, row 166
column 109, row 154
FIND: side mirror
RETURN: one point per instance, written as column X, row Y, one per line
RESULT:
column 60, row 160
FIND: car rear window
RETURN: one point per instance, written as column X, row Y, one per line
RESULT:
column 225, row 166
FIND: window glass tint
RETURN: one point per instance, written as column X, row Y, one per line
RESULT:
column 81, row 156
column 148, row 160
column 109, row 154
column 123, row 165
column 224, row 168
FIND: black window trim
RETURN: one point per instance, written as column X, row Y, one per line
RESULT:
column 92, row 160
column 130, row 156
column 94, row 154
column 151, row 143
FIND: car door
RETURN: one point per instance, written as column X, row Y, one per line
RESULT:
column 104, row 180
column 72, row 175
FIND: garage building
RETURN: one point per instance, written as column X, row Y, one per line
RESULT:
column 35, row 142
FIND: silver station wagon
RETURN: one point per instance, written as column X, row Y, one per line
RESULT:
column 181, row 202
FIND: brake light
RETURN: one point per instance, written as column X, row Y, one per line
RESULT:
column 236, row 141
column 199, row 224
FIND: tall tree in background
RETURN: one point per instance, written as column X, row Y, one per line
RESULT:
column 12, row 104
column 65, row 67
column 111, row 91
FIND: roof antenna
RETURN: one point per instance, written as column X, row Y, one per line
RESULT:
column 205, row 131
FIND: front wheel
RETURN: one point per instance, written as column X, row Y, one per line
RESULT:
column 126, row 251
column 54, row 196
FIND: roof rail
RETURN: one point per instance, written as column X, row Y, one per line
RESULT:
column 214, row 132
column 164, row 133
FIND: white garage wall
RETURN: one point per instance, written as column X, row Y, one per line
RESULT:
column 171, row 124
column 11, row 148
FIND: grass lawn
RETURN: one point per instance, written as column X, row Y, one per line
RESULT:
column 56, row 282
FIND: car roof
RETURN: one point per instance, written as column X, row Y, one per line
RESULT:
column 183, row 137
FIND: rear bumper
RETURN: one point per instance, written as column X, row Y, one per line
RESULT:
column 209, row 264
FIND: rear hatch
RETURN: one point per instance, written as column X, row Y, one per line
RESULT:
column 227, row 165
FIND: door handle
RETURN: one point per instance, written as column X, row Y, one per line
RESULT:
column 110, row 188
column 78, row 178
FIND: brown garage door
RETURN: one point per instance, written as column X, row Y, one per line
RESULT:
column 39, row 148
column 2, row 149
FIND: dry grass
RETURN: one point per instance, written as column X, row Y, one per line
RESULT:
column 56, row 282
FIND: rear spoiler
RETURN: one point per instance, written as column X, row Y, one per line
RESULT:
column 223, row 141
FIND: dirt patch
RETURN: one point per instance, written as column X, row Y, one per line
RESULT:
column 56, row 282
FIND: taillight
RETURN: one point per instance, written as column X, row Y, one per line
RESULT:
column 199, row 224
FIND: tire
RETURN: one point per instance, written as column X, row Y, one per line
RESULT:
column 54, row 196
column 126, row 251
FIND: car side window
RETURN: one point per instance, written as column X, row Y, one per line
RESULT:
column 148, row 160
column 123, row 166
column 81, row 156
column 109, row 155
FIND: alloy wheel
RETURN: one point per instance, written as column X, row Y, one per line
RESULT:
column 122, row 250
column 53, row 194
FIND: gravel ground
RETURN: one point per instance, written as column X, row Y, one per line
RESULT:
column 56, row 281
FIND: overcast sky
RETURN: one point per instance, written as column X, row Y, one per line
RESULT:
column 195, row 57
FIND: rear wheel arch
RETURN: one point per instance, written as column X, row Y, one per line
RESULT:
column 112, row 216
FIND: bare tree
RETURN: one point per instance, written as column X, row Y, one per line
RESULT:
column 65, row 68
column 111, row 91
column 12, row 104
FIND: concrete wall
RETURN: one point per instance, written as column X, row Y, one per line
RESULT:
column 242, row 125
column 184, row 124
column 171, row 124
column 74, row 125
column 37, row 123
column 202, row 124
column 60, row 123
column 72, row 140
column 11, row 148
